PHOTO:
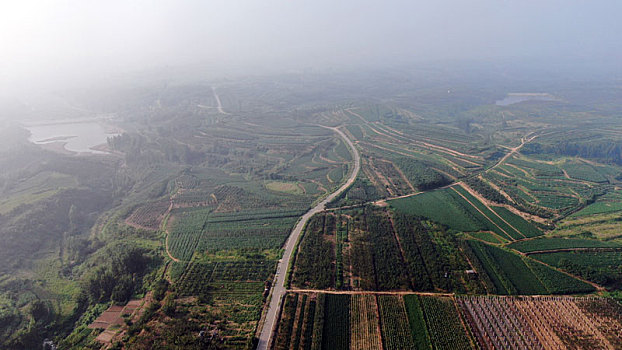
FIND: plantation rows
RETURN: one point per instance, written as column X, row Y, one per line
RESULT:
column 367, row 321
column 444, row 324
column 420, row 174
column 543, row 322
column 331, row 321
column 373, row 249
column 485, row 190
column 507, row 273
column 314, row 261
column 149, row 215
column 500, row 225
column 201, row 230
column 199, row 277
column 602, row 267
column 364, row 322
column 560, row 243
column 459, row 210
column 396, row 333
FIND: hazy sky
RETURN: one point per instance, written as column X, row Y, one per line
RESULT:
column 48, row 38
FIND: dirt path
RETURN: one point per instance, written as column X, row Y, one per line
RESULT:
column 509, row 236
column 168, row 252
column 523, row 142
column 278, row 289
column 597, row 286
column 565, row 250
column 418, row 143
column 164, row 227
column 484, row 202
column 220, row 110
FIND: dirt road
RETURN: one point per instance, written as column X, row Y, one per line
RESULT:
column 220, row 110
column 279, row 289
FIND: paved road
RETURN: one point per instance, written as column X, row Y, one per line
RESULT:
column 278, row 288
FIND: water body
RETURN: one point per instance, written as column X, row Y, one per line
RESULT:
column 513, row 98
column 78, row 137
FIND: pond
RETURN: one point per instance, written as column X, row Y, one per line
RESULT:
column 80, row 137
column 513, row 98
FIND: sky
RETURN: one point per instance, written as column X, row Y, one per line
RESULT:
column 52, row 40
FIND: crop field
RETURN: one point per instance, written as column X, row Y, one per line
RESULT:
column 416, row 321
column 232, row 289
column 377, row 250
column 511, row 274
column 543, row 322
column 610, row 202
column 149, row 215
column 606, row 226
column 456, row 208
column 364, row 322
column 521, row 225
column 440, row 206
column 369, row 321
column 600, row 266
column 396, row 333
column 582, row 171
column 444, row 324
column 547, row 188
column 541, row 244
column 198, row 229
column 285, row 187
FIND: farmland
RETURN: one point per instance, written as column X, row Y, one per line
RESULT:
column 377, row 250
column 560, row 243
column 513, row 274
column 353, row 321
column 462, row 210
column 542, row 322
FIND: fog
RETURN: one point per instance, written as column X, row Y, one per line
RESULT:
column 57, row 42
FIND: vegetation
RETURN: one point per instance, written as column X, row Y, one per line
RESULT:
column 191, row 209
column 416, row 320
column 554, row 243
column 444, row 324
column 395, row 332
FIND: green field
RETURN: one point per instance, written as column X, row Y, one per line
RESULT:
column 560, row 243
column 512, row 274
column 440, row 206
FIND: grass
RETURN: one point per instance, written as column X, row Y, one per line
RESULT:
column 285, row 187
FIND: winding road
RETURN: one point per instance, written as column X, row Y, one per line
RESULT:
column 278, row 288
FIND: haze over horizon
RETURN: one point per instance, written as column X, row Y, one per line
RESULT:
column 79, row 40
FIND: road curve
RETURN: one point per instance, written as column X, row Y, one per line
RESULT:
column 278, row 288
